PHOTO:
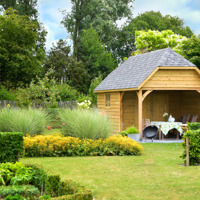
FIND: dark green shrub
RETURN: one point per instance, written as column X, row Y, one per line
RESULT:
column 29, row 191
column 6, row 94
column 194, row 146
column 11, row 146
column 193, row 126
column 52, row 185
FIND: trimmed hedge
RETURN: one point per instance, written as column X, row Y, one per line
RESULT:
column 11, row 146
column 53, row 146
column 193, row 126
column 194, row 146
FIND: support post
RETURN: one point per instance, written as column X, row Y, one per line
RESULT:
column 187, row 152
column 121, row 110
column 139, row 93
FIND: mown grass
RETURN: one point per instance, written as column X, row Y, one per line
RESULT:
column 157, row 174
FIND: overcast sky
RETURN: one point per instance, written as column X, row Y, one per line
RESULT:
column 51, row 16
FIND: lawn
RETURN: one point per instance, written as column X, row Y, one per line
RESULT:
column 157, row 174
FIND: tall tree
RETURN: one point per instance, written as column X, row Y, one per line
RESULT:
column 94, row 55
column 191, row 50
column 103, row 15
column 149, row 20
column 20, row 56
column 24, row 7
column 66, row 68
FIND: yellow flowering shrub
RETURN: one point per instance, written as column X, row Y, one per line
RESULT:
column 57, row 145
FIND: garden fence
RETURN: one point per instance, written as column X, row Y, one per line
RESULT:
column 61, row 104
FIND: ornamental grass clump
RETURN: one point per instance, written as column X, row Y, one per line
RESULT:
column 85, row 124
column 27, row 121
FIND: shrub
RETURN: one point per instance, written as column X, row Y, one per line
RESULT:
column 29, row 191
column 52, row 185
column 131, row 130
column 6, row 94
column 49, row 145
column 29, row 121
column 85, row 124
column 193, row 126
column 123, row 133
column 15, row 197
column 11, row 146
column 194, row 146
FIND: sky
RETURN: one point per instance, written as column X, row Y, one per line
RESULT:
column 51, row 14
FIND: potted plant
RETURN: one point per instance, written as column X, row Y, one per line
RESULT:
column 133, row 133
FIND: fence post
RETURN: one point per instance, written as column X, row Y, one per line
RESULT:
column 187, row 152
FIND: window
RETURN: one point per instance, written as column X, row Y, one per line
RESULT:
column 107, row 100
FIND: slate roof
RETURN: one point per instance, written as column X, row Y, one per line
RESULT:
column 136, row 69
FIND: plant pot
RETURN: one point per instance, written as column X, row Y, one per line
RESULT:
column 135, row 137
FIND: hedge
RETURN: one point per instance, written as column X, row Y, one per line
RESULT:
column 194, row 146
column 50, row 145
column 11, row 146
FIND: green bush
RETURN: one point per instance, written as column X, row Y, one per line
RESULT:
column 52, row 185
column 193, row 126
column 11, row 146
column 132, row 130
column 29, row 191
column 194, row 146
column 123, row 133
column 66, row 92
column 27, row 121
column 85, row 124
column 54, row 119
column 6, row 94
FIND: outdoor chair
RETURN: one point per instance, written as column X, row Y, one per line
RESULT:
column 186, row 118
column 148, row 122
column 194, row 118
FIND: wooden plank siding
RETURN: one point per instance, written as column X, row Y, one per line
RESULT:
column 113, row 110
column 173, row 78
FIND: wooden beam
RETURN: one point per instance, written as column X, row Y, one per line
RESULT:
column 170, row 88
column 146, row 94
column 117, row 90
column 187, row 152
column 121, row 110
column 139, row 93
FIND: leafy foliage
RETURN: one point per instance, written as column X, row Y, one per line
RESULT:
column 132, row 130
column 49, row 145
column 94, row 55
column 28, row 191
column 66, row 69
column 194, row 146
column 102, row 15
column 154, row 40
column 27, row 121
column 6, row 94
column 94, row 83
column 52, row 185
column 193, row 126
column 149, row 20
column 190, row 50
column 85, row 124
column 11, row 147
column 44, row 91
column 22, row 50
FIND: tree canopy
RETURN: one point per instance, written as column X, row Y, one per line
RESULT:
column 20, row 55
column 149, row 20
column 102, row 15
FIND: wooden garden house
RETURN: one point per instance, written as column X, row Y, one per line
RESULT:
column 148, row 85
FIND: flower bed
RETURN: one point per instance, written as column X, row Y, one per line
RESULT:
column 49, row 145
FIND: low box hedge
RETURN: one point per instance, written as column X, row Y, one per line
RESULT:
column 11, row 146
